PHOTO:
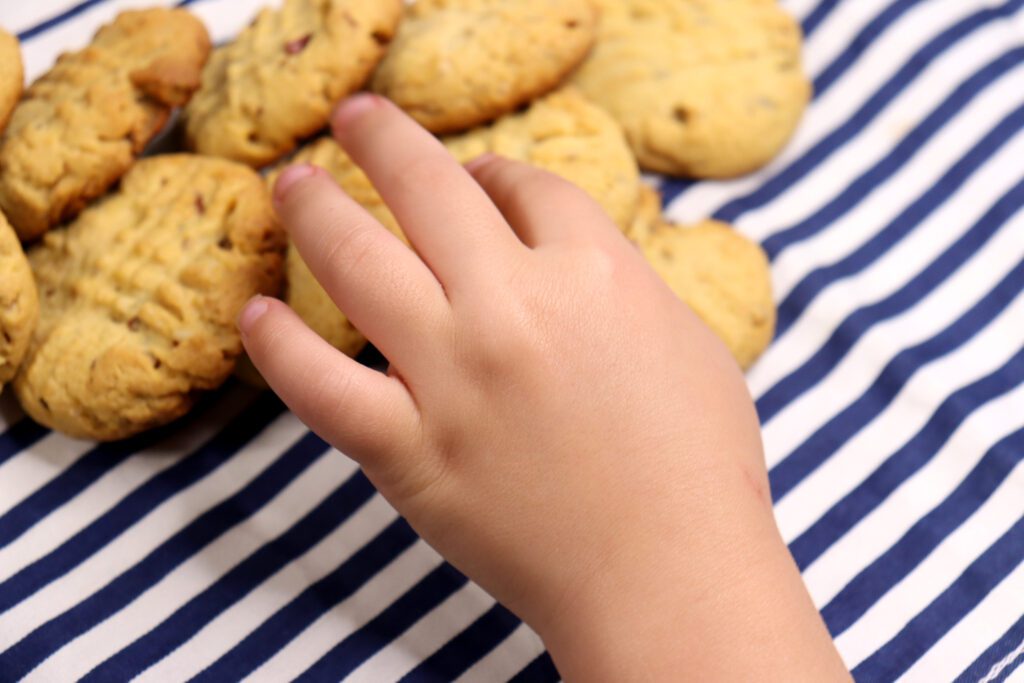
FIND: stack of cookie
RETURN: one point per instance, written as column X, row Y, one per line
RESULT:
column 123, row 310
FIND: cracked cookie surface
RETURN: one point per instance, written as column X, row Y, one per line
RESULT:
column 456, row 64
column 277, row 82
column 703, row 88
column 12, row 76
column 19, row 304
column 139, row 296
column 80, row 126
column 566, row 134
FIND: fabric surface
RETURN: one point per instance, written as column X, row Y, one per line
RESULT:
column 237, row 544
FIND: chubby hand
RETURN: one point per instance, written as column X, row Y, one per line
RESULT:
column 553, row 421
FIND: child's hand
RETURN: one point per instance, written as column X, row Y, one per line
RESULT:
column 555, row 422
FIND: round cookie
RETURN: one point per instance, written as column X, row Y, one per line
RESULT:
column 278, row 81
column 723, row 277
column 19, row 303
column 12, row 77
column 566, row 134
column 139, row 296
column 703, row 88
column 456, row 64
column 80, row 126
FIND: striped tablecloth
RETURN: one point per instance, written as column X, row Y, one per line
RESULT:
column 238, row 544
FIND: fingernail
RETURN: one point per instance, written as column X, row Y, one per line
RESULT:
column 289, row 177
column 351, row 109
column 481, row 161
column 252, row 312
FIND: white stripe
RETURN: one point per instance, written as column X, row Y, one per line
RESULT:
column 909, row 411
column 149, row 532
column 31, row 469
column 1017, row 676
column 506, row 660
column 973, row 634
column 79, row 656
column 347, row 617
column 21, row 16
column 888, row 274
column 107, row 491
column 941, row 568
column 425, row 637
column 1011, row 658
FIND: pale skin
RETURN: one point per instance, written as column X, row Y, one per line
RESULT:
column 554, row 421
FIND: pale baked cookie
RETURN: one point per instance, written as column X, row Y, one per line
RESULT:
column 12, row 77
column 456, row 64
column 723, row 277
column 703, row 88
column 19, row 304
column 280, row 78
column 569, row 136
column 648, row 215
column 139, row 296
column 81, row 125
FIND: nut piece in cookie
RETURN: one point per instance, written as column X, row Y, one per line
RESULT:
column 278, row 81
column 566, row 134
column 139, row 296
column 19, row 304
column 703, row 88
column 81, row 125
column 12, row 76
column 302, row 291
column 456, row 64
column 723, row 277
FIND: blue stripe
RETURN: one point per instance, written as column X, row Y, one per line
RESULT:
column 958, row 173
column 902, row 464
column 318, row 598
column 138, row 504
column 349, row 654
column 31, row 650
column 53, row 22
column 465, row 649
column 828, row 438
column 864, row 318
column 900, row 653
column 85, row 471
column 817, row 16
column 897, row 562
column 235, row 584
column 1000, row 649
column 20, row 437
column 813, row 157
column 540, row 670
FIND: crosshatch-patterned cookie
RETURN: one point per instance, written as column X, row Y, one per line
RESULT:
column 725, row 279
column 703, row 88
column 19, row 305
column 278, row 81
column 456, row 64
column 81, row 125
column 12, row 77
column 571, row 137
column 139, row 296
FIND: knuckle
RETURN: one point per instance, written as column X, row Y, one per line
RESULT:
column 343, row 255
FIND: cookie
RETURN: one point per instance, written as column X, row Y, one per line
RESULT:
column 81, row 125
column 12, row 76
column 566, row 134
column 19, row 304
column 278, row 81
column 456, row 64
column 648, row 215
column 725, row 279
column 139, row 296
column 302, row 291
column 703, row 88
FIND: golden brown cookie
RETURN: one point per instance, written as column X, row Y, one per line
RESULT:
column 723, row 277
column 12, row 77
column 139, row 296
column 81, row 125
column 703, row 88
column 280, row 78
column 648, row 215
column 302, row 291
column 456, row 64
column 19, row 304
column 566, row 134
